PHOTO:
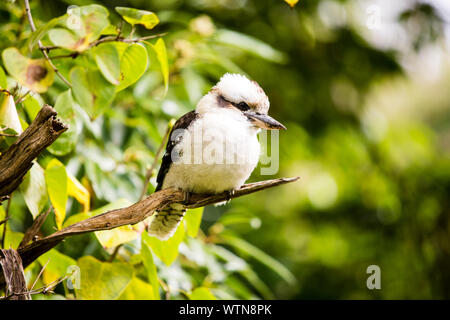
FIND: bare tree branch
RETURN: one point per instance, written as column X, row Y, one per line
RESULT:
column 18, row 159
column 32, row 231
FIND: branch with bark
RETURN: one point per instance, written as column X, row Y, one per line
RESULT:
column 18, row 158
column 135, row 214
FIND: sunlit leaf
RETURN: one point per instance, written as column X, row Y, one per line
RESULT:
column 108, row 61
column 138, row 290
column 78, row 191
column 91, row 90
column 291, row 3
column 8, row 112
column 249, row 44
column 35, row 74
column 134, row 16
column 56, row 181
column 261, row 256
column 40, row 32
column 3, row 82
column 167, row 250
column 34, row 190
column 202, row 293
column 79, row 28
column 57, row 266
column 103, row 280
column 133, row 64
column 67, row 39
column 147, row 258
column 31, row 106
column 161, row 54
column 116, row 236
column 65, row 143
column 193, row 219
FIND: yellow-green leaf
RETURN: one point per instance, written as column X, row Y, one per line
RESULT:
column 67, row 39
column 116, row 236
column 138, row 290
column 103, row 280
column 147, row 258
column 167, row 250
column 56, row 181
column 78, row 191
column 91, row 90
column 3, row 82
column 66, row 142
column 34, row 190
column 161, row 55
column 35, row 74
column 133, row 64
column 193, row 219
column 135, row 16
column 57, row 266
column 108, row 61
column 291, row 3
column 202, row 293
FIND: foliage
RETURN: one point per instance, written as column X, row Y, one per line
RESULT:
column 369, row 140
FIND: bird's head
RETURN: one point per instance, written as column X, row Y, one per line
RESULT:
column 236, row 93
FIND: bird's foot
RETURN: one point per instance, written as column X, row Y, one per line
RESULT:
column 230, row 195
column 187, row 197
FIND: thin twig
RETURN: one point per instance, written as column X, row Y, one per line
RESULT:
column 41, row 47
column 149, row 173
column 22, row 98
column 39, row 275
column 6, row 220
column 8, row 135
column 115, row 252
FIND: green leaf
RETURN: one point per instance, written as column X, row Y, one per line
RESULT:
column 133, row 64
column 66, row 142
column 134, row 16
column 249, row 44
column 67, row 39
column 56, row 181
column 161, row 54
column 193, row 220
column 262, row 257
column 3, row 82
column 103, row 280
column 58, row 265
column 147, row 258
column 35, row 74
column 31, row 106
column 8, row 112
column 108, row 61
column 34, row 189
column 92, row 92
column 167, row 250
column 138, row 290
column 202, row 293
column 80, row 27
column 40, row 32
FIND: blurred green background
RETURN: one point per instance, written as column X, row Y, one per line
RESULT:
column 363, row 88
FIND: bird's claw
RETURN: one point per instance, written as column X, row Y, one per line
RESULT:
column 187, row 197
column 230, row 194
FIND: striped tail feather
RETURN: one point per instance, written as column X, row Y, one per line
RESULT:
column 166, row 221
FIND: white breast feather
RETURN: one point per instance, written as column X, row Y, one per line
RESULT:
column 221, row 130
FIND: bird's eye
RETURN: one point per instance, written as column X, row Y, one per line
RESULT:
column 242, row 106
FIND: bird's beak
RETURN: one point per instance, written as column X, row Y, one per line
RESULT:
column 264, row 121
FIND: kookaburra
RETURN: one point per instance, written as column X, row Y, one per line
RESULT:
column 213, row 148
